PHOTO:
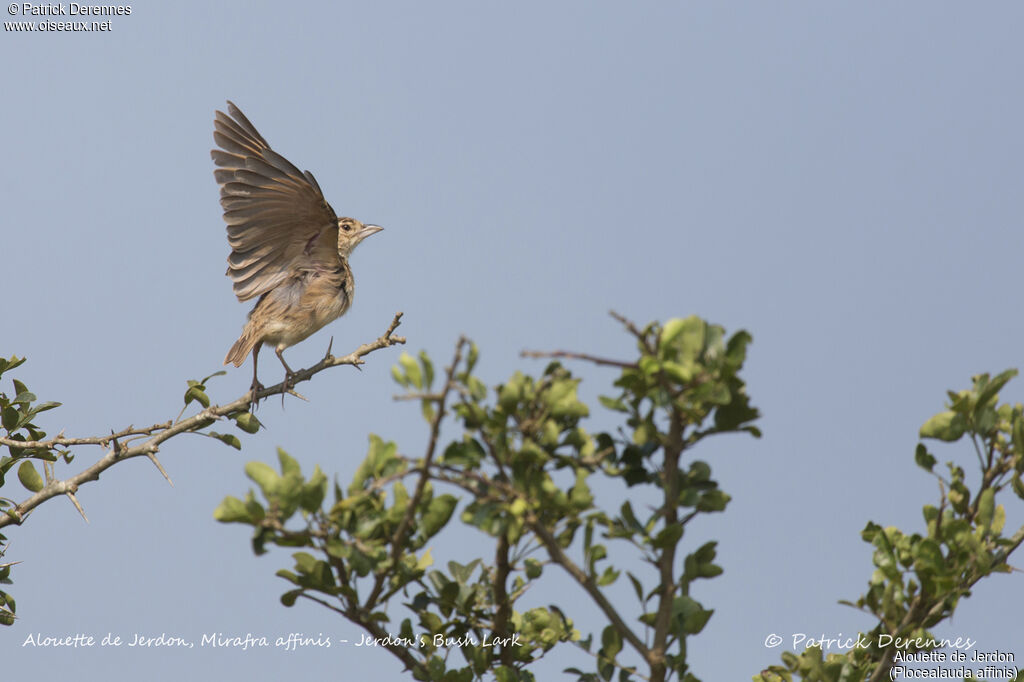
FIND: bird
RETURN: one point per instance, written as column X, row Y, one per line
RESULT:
column 289, row 249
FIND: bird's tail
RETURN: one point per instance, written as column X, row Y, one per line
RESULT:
column 243, row 346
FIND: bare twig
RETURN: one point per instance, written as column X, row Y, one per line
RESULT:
column 417, row 396
column 633, row 329
column 605, row 362
column 577, row 356
column 587, row 583
column 104, row 441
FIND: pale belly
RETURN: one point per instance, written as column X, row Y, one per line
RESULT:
column 301, row 319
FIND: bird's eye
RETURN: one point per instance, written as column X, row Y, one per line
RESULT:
column 347, row 227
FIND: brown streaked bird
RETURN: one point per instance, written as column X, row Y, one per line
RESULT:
column 288, row 247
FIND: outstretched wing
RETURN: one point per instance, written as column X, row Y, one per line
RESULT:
column 278, row 220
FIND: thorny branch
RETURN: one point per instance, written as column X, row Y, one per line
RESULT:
column 152, row 437
column 641, row 336
column 569, row 355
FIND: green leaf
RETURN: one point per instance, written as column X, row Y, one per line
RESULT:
column 14, row 361
column 288, row 464
column 928, row 556
column 998, row 520
column 946, row 426
column 438, row 512
column 690, row 617
column 679, row 372
column 713, row 501
column 9, row 417
column 986, row 509
column 562, row 401
column 465, row 454
column 472, row 356
column 29, row 477
column 43, row 407
column 699, row 564
column 672, row 329
column 503, row 673
column 990, row 392
column 428, row 369
column 1018, row 439
column 637, row 586
column 425, row 561
column 228, row 438
column 265, row 477
column 611, row 642
column 427, row 409
column 412, row 370
column 215, row 374
column 23, row 395
column 248, row 422
column 924, row 460
column 736, row 349
column 1018, row 486
column 609, row 576
column 314, row 490
column 511, row 392
column 580, row 495
column 231, row 510
column 688, row 342
column 613, row 403
column 667, row 536
column 197, row 394
column 289, row 597
column 629, row 518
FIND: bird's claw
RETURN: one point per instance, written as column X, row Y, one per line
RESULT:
column 254, row 389
column 286, row 386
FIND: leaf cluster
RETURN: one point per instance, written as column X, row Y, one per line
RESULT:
column 920, row 578
column 522, row 474
column 17, row 412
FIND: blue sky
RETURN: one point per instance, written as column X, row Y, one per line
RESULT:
column 841, row 181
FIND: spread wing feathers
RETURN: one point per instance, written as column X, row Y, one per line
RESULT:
column 278, row 220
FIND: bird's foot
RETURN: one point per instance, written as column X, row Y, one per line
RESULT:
column 289, row 375
column 286, row 385
column 255, row 388
column 287, row 388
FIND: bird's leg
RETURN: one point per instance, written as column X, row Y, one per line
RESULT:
column 256, row 385
column 288, row 373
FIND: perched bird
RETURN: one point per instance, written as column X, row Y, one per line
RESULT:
column 288, row 247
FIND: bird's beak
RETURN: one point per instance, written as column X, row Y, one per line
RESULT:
column 367, row 231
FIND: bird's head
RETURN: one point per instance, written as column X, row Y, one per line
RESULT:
column 351, row 232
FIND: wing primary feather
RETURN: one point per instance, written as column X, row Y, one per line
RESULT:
column 273, row 211
column 237, row 114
